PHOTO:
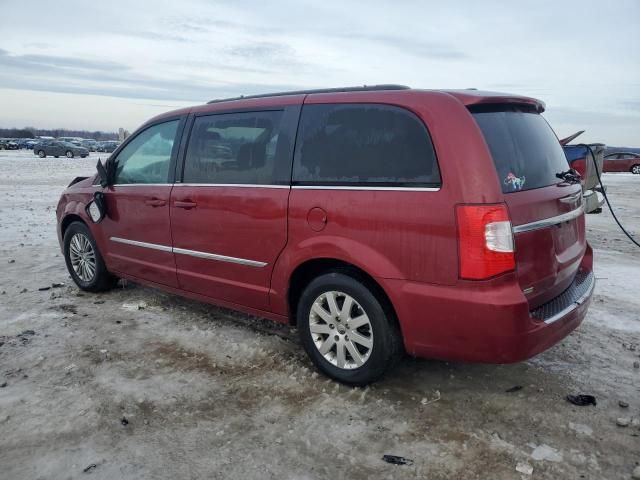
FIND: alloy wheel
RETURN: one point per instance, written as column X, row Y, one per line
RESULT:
column 83, row 257
column 636, row 169
column 341, row 330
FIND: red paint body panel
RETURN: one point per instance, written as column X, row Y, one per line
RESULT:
column 476, row 321
column 207, row 299
column 240, row 222
column 547, row 258
column 406, row 240
column 132, row 216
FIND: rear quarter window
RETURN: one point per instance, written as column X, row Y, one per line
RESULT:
column 363, row 145
column 525, row 150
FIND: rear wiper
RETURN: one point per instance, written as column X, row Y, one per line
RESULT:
column 570, row 176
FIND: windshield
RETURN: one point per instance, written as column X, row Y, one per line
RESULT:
column 525, row 150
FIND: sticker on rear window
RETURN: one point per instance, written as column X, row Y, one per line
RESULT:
column 516, row 183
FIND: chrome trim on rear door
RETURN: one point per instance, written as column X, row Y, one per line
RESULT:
column 355, row 187
column 220, row 258
column 135, row 243
column 231, row 185
column 548, row 222
column 571, row 198
column 193, row 253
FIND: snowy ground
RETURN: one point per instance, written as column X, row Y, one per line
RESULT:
column 213, row 394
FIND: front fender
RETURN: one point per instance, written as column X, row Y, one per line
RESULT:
column 73, row 204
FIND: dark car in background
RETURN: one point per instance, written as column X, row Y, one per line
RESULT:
column 107, row 147
column 622, row 162
column 8, row 144
column 90, row 144
column 54, row 148
column 26, row 143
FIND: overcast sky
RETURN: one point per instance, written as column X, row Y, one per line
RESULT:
column 104, row 65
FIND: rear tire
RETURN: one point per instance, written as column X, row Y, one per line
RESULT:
column 69, row 154
column 41, row 154
column 84, row 261
column 635, row 169
column 326, row 307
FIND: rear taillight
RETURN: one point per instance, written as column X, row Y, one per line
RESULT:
column 485, row 239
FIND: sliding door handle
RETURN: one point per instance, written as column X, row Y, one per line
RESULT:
column 185, row 204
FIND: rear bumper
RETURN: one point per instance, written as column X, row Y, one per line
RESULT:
column 482, row 322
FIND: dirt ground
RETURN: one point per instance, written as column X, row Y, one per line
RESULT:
column 209, row 393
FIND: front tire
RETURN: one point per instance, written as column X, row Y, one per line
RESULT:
column 41, row 154
column 84, row 261
column 69, row 154
column 346, row 331
column 635, row 169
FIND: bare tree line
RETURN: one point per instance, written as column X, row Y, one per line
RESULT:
column 32, row 132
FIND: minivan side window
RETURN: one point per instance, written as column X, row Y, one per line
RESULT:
column 146, row 158
column 238, row 148
column 363, row 145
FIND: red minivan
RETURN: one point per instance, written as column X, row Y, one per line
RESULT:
column 379, row 220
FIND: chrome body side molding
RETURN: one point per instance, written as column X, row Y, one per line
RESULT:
column 193, row 253
column 135, row 243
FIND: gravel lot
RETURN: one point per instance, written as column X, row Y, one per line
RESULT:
column 209, row 393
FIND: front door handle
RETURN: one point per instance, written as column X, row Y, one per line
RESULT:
column 155, row 202
column 185, row 204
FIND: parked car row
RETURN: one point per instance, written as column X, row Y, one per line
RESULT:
column 67, row 146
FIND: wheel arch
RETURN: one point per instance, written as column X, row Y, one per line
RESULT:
column 304, row 273
column 68, row 220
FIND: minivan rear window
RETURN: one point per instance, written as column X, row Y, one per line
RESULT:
column 363, row 145
column 525, row 150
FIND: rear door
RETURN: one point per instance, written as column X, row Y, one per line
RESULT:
column 229, row 213
column 546, row 211
column 137, row 231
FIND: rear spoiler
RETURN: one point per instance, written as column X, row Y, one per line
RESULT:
column 564, row 141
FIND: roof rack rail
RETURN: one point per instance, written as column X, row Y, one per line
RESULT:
column 364, row 88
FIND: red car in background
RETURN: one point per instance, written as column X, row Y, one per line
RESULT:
column 622, row 162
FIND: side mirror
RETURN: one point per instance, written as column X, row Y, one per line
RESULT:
column 106, row 172
column 96, row 209
column 102, row 174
